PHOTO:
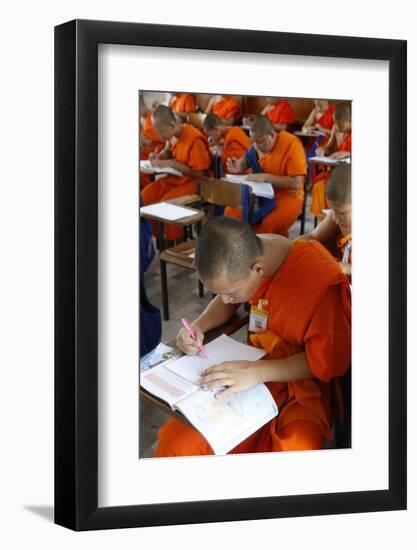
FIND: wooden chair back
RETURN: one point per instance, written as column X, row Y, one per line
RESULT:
column 222, row 192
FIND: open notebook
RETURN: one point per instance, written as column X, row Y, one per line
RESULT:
column 146, row 166
column 329, row 160
column 223, row 422
column 260, row 189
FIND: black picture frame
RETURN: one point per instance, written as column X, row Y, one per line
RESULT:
column 76, row 271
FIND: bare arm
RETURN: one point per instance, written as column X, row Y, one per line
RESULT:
column 216, row 314
column 309, row 123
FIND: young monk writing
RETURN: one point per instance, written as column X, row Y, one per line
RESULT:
column 321, row 117
column 225, row 107
column 188, row 152
column 335, row 231
column 150, row 143
column 279, row 112
column 338, row 147
column 181, row 104
column 303, row 310
column 227, row 141
column 278, row 158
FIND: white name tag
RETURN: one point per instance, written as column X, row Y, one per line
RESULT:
column 258, row 318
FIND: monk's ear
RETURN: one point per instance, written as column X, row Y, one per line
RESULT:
column 258, row 268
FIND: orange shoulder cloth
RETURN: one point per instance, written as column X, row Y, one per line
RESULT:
column 298, row 287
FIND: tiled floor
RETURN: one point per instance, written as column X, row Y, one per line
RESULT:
column 183, row 302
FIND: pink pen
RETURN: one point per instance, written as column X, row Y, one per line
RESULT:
column 190, row 331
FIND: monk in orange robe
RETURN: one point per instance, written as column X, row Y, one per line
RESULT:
column 189, row 153
column 307, row 334
column 338, row 147
column 225, row 107
column 335, row 231
column 282, row 159
column 321, row 118
column 227, row 141
column 150, row 144
column 279, row 113
column 181, row 104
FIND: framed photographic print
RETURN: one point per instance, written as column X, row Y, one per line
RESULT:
column 163, row 135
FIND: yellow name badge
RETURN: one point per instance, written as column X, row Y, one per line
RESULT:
column 258, row 318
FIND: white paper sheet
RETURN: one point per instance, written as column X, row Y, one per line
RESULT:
column 146, row 166
column 260, row 189
column 166, row 385
column 329, row 160
column 167, row 211
column 219, row 350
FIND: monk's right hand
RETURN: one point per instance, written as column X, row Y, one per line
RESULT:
column 187, row 344
column 232, row 165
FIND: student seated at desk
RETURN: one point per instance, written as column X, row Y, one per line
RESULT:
column 335, row 231
column 339, row 147
column 225, row 107
column 276, row 157
column 181, row 104
column 227, row 141
column 301, row 310
column 279, row 112
column 320, row 118
column 188, row 152
column 150, row 142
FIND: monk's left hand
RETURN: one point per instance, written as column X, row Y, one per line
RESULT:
column 235, row 375
column 257, row 178
column 161, row 163
column 340, row 155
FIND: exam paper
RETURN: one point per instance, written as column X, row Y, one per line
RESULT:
column 260, row 189
column 219, row 350
column 167, row 211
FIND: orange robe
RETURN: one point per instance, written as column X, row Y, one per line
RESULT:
column 309, row 310
column 191, row 148
column 184, row 103
column 226, row 107
column 157, row 144
column 326, row 119
column 318, row 192
column 287, row 158
column 281, row 113
column 236, row 143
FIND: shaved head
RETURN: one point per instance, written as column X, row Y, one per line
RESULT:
column 261, row 125
column 342, row 112
column 163, row 116
column 226, row 247
column 211, row 122
column 338, row 187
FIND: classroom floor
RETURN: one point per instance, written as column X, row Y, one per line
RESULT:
column 183, row 302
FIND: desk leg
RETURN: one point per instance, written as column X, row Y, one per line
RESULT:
column 163, row 267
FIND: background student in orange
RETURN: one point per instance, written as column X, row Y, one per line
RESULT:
column 181, row 104
column 189, row 153
column 339, row 147
column 225, row 107
column 280, row 159
column 321, row 117
column 149, row 139
column 228, row 141
column 335, row 231
column 279, row 112
column 307, row 334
